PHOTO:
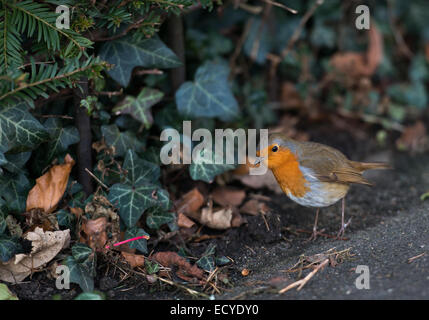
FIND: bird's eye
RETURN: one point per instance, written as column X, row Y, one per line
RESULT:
column 275, row 148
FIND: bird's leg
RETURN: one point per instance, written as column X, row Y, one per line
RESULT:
column 314, row 234
column 343, row 225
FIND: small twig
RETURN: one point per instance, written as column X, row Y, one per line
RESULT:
column 149, row 71
column 96, row 179
column 281, row 5
column 110, row 93
column 416, row 257
column 296, row 34
column 54, row 116
column 265, row 221
column 301, row 283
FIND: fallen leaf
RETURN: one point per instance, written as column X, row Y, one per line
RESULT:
column 94, row 233
column 186, row 271
column 184, row 222
column 414, row 138
column 266, row 180
column 50, row 187
column 135, row 260
column 254, row 207
column 104, row 221
column 356, row 65
column 45, row 246
column 226, row 196
column 290, row 97
column 5, row 293
column 190, row 202
column 39, row 218
column 220, row 219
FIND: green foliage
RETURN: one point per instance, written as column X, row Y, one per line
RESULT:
column 141, row 244
column 209, row 95
column 81, row 265
column 139, row 107
column 5, row 293
column 127, row 53
column 139, row 192
column 8, row 248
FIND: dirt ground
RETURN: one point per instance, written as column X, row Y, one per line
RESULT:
column 390, row 224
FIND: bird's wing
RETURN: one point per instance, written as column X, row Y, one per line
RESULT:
column 329, row 164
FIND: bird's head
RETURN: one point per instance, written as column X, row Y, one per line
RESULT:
column 280, row 149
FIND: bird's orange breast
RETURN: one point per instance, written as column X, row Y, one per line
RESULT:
column 290, row 177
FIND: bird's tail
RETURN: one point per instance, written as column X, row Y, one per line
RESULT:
column 363, row 166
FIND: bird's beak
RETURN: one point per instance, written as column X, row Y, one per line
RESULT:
column 259, row 160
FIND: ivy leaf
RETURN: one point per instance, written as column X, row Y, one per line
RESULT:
column 122, row 141
column 80, row 274
column 66, row 219
column 81, row 252
column 141, row 244
column 126, row 53
column 209, row 95
column 140, row 170
column 14, row 190
column 205, row 170
column 3, row 159
column 207, row 261
column 221, row 261
column 61, row 137
column 156, row 217
column 90, row 296
column 19, row 130
column 139, row 108
column 132, row 200
column 8, row 248
column 151, row 267
column 16, row 161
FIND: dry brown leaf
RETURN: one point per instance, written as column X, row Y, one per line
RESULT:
column 135, row 260
column 93, row 232
column 45, row 246
column 220, row 219
column 356, row 65
column 184, row 222
column 186, row 271
column 414, row 138
column 50, row 187
column 254, row 207
column 226, row 196
column 290, row 97
column 266, row 180
column 190, row 202
column 38, row 218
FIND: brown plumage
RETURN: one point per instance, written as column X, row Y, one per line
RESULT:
column 313, row 174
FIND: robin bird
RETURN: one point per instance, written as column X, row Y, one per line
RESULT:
column 313, row 174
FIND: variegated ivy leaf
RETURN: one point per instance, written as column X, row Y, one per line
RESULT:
column 80, row 274
column 19, row 130
column 133, row 200
column 14, row 190
column 81, row 252
column 139, row 107
column 61, row 137
column 122, row 141
column 156, row 217
column 141, row 244
column 207, row 170
column 139, row 170
column 126, row 53
column 16, row 161
column 8, row 248
column 209, row 95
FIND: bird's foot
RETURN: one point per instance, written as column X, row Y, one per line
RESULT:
column 315, row 234
column 340, row 233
